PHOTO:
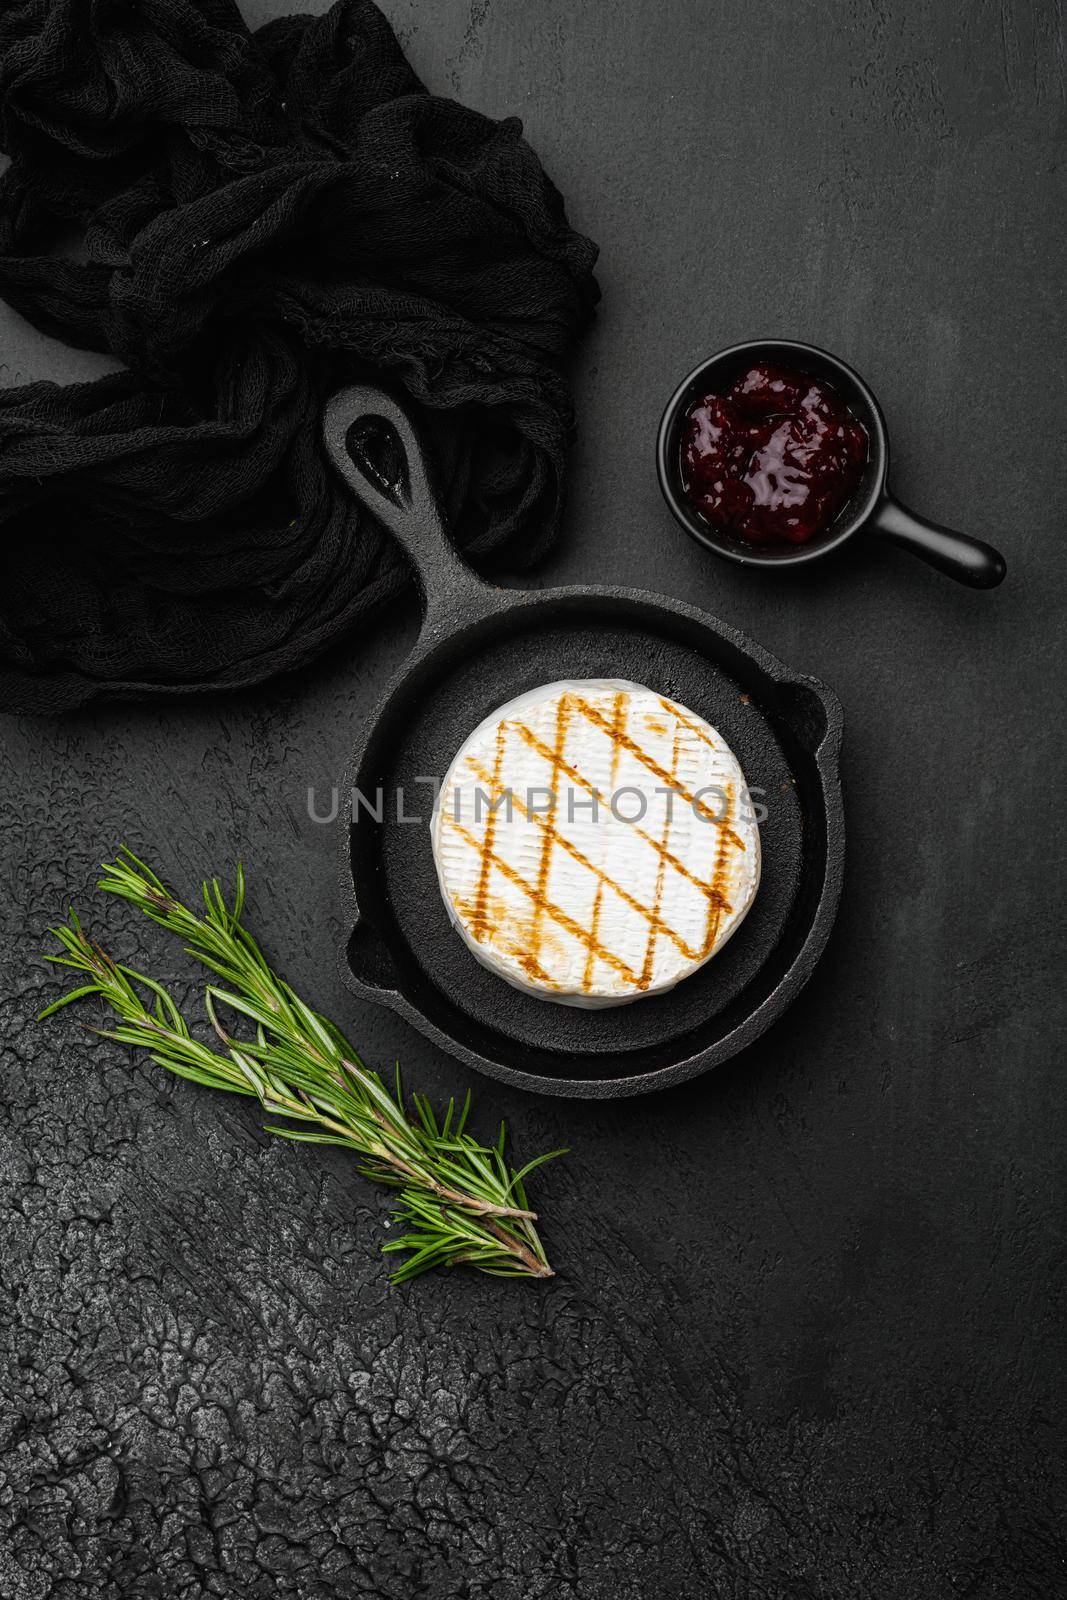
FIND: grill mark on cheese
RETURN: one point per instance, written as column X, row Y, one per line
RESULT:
column 583, row 783
column 480, row 917
column 653, row 917
column 618, row 725
column 718, row 877
column 600, row 721
column 514, row 947
column 555, row 912
column 676, row 713
column 657, row 903
column 550, row 834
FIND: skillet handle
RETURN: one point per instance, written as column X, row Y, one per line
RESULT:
column 967, row 560
column 373, row 444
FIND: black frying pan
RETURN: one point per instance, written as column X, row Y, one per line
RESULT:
column 480, row 646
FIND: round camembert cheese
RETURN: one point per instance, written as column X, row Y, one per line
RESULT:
column 595, row 842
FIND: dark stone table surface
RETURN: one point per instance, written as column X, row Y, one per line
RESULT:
column 805, row 1337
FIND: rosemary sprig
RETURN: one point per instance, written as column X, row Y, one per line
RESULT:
column 463, row 1204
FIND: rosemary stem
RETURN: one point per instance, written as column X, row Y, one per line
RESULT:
column 462, row 1203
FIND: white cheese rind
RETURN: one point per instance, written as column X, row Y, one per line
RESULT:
column 595, row 905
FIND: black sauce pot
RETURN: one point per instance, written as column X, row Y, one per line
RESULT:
column 871, row 509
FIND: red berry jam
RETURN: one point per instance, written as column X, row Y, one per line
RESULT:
column 773, row 458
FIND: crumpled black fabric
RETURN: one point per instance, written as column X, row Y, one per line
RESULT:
column 247, row 222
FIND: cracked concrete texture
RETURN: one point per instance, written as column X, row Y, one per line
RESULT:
column 208, row 1388
column 805, row 1342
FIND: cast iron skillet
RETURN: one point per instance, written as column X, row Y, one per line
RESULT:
column 480, row 646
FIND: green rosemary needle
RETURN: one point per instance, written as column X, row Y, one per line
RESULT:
column 462, row 1203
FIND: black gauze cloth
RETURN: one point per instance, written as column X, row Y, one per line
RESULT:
column 247, row 222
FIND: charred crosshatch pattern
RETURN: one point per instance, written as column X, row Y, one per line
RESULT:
column 661, row 867
column 618, row 727
column 521, row 926
column 480, row 920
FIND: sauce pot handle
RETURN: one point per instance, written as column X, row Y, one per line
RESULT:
column 375, row 448
column 967, row 560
